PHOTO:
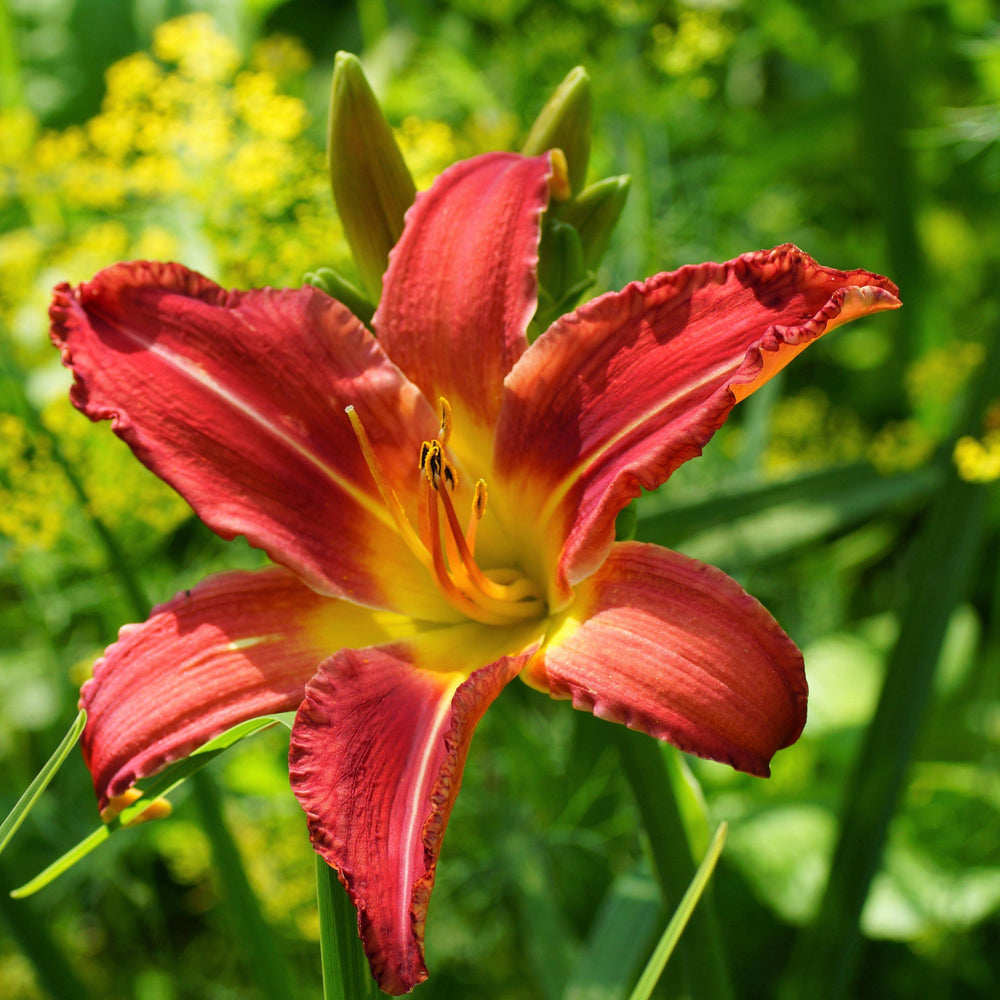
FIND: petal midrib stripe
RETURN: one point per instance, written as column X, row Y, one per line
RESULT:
column 580, row 468
column 200, row 376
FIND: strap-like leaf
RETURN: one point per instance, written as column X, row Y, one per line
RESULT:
column 34, row 791
column 664, row 949
column 152, row 789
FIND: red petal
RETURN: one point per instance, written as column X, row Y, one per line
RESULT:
column 377, row 754
column 237, row 400
column 677, row 649
column 617, row 395
column 461, row 283
column 237, row 646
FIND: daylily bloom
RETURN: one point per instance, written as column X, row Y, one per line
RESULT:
column 440, row 505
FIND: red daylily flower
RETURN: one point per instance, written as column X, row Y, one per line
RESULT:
column 438, row 532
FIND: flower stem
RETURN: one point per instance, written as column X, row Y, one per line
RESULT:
column 701, row 953
column 31, row 931
column 345, row 971
column 270, row 972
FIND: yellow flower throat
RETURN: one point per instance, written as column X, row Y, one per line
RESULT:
column 493, row 597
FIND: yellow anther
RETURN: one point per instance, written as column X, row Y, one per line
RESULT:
column 444, row 432
column 119, row 802
column 157, row 809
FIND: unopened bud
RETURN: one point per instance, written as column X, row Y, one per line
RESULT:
column 564, row 123
column 372, row 187
column 338, row 287
column 595, row 212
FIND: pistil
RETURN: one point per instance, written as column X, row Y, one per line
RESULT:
column 445, row 551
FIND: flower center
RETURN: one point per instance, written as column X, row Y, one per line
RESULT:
column 494, row 596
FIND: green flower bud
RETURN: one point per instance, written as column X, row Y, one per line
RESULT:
column 338, row 287
column 595, row 212
column 372, row 187
column 564, row 123
column 563, row 275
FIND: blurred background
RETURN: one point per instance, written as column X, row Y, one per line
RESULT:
column 852, row 496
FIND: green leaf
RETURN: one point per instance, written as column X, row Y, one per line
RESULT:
column 763, row 521
column 152, row 788
column 622, row 931
column 661, row 955
column 703, row 957
column 345, row 969
column 26, row 802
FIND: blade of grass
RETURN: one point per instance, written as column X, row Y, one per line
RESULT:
column 702, row 957
column 945, row 553
column 345, row 969
column 765, row 521
column 33, row 793
column 153, row 788
column 665, row 948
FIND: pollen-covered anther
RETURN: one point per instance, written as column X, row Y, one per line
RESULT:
column 444, row 432
column 441, row 545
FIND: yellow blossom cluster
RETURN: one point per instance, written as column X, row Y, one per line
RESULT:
column 700, row 38
column 33, row 492
column 978, row 461
column 808, row 432
column 197, row 154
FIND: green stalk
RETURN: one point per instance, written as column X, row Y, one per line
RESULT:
column 824, row 960
column 116, row 561
column 345, row 969
column 702, row 957
column 243, row 910
column 31, row 931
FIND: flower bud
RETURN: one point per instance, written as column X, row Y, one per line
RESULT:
column 595, row 212
column 372, row 187
column 563, row 275
column 337, row 286
column 564, row 123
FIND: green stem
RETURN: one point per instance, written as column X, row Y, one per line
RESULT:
column 117, row 563
column 31, row 931
column 271, row 974
column 701, row 952
column 345, row 969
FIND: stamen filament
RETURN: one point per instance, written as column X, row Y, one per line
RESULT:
column 522, row 588
column 389, row 497
column 501, row 598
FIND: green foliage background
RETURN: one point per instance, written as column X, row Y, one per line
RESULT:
column 867, row 133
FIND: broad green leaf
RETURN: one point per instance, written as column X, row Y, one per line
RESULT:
column 152, row 788
column 26, row 802
column 763, row 521
column 664, row 949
